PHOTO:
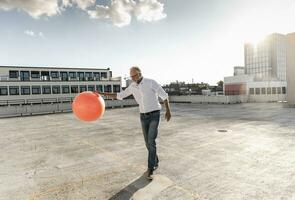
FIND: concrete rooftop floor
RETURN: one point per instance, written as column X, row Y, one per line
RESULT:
column 241, row 151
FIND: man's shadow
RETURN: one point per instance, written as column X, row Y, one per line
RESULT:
column 129, row 190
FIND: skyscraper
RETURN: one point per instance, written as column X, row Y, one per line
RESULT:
column 291, row 69
column 266, row 60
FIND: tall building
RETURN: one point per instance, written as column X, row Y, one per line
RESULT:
column 291, row 69
column 266, row 60
column 264, row 74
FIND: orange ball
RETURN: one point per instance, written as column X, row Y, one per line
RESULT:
column 88, row 106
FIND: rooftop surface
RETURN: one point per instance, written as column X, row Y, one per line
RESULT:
column 206, row 151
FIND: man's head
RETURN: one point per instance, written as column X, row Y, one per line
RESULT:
column 135, row 73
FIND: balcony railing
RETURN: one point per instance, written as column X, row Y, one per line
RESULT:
column 59, row 79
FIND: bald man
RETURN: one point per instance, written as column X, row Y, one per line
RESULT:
column 146, row 92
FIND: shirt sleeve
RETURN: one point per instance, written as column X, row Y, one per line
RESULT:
column 158, row 88
column 125, row 93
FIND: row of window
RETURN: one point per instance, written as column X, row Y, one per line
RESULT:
column 268, row 90
column 51, row 75
column 55, row 89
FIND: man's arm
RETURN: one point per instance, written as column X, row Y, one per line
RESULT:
column 167, row 107
column 164, row 96
column 107, row 94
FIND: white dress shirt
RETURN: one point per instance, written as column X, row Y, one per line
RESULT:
column 146, row 94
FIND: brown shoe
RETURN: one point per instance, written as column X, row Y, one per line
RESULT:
column 149, row 174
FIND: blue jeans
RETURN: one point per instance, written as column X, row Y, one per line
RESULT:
column 150, row 124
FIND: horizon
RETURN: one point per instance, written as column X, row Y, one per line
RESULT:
column 170, row 41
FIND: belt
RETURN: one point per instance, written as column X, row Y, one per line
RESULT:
column 148, row 113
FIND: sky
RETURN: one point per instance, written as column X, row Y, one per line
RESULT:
column 170, row 40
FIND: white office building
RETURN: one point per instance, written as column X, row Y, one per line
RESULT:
column 291, row 69
column 264, row 73
column 29, row 90
column 267, row 59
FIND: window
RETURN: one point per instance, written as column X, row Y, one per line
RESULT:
column 279, row 90
column 99, row 88
column 65, row 89
column 54, row 74
column 46, row 89
column 13, row 74
column 64, row 76
column 268, row 90
column 81, row 76
column 283, row 90
column 36, row 90
column 116, row 88
column 108, row 88
column 24, row 75
column 257, row 90
column 45, row 75
column 35, row 74
column 274, row 91
column 96, row 74
column 91, row 88
column 74, row 89
column 3, row 91
column 55, row 89
column 263, row 91
column 82, row 88
column 13, row 90
column 104, row 75
column 251, row 90
column 89, row 76
column 72, row 74
column 25, row 90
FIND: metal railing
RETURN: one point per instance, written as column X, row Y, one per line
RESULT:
column 77, row 79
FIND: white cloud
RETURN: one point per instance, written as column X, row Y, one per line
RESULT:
column 120, row 12
column 41, row 35
column 30, row 33
column 33, row 34
column 149, row 10
column 35, row 8
column 82, row 4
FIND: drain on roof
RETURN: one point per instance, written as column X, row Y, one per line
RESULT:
column 222, row 130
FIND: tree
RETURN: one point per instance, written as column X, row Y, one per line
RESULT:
column 220, row 84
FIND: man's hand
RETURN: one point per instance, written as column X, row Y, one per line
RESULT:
column 108, row 94
column 168, row 115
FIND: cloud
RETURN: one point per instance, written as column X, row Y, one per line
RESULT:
column 149, row 10
column 33, row 34
column 35, row 8
column 82, row 4
column 30, row 33
column 41, row 35
column 120, row 12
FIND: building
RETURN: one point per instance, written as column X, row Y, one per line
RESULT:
column 264, row 73
column 36, row 87
column 239, row 70
column 267, row 58
column 291, row 69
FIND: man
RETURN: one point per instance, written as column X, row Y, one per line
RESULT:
column 146, row 92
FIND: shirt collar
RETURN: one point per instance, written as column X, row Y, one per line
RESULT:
column 140, row 81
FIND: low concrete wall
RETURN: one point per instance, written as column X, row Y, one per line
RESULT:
column 227, row 99
column 57, row 107
column 35, row 109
